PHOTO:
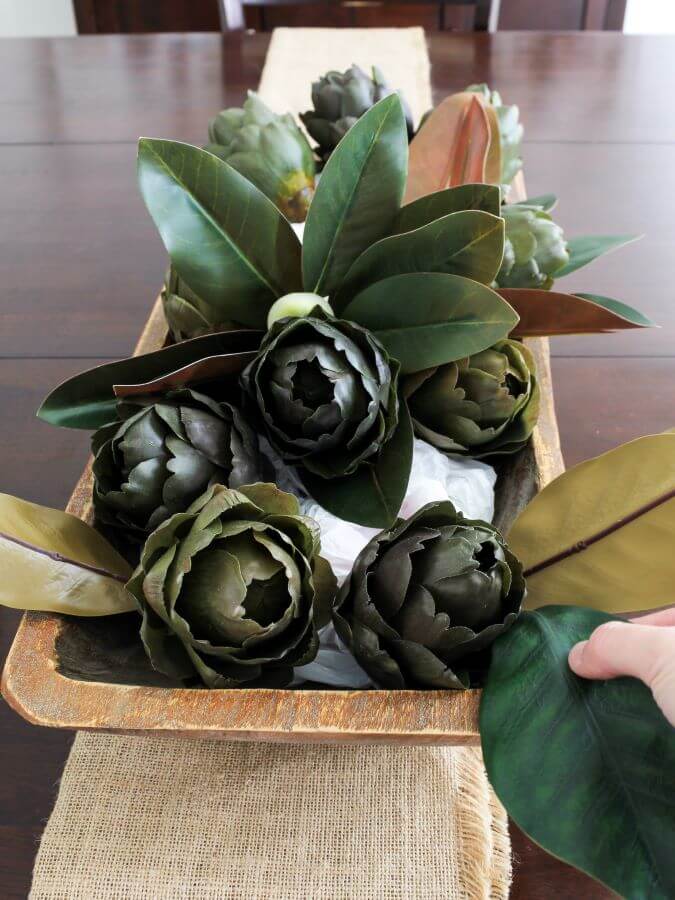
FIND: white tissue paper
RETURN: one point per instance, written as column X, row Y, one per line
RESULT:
column 468, row 483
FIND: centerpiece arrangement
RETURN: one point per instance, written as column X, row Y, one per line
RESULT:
column 318, row 372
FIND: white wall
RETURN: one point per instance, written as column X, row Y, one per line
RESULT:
column 650, row 17
column 36, row 18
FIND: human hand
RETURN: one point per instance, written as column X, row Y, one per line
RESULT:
column 643, row 648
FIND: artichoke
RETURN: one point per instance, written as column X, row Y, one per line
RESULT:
column 324, row 393
column 186, row 314
column 425, row 597
column 486, row 404
column 269, row 150
column 233, row 590
column 339, row 99
column 510, row 132
column 534, row 250
column 162, row 454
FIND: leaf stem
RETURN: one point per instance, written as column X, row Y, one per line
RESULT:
column 57, row 557
column 593, row 539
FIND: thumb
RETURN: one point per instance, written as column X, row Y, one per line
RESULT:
column 622, row 648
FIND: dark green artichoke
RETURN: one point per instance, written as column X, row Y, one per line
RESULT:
column 186, row 314
column 324, row 394
column 269, row 150
column 339, row 99
column 233, row 590
column 162, row 454
column 534, row 250
column 486, row 404
column 424, row 599
column 510, row 132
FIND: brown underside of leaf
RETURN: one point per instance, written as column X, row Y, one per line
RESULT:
column 547, row 313
column 202, row 370
column 450, row 149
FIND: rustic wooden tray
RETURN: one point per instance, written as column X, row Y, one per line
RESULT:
column 92, row 674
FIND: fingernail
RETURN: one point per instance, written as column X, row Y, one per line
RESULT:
column 576, row 654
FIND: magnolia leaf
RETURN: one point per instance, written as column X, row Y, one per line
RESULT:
column 373, row 495
column 583, row 250
column 468, row 243
column 54, row 562
column 224, row 236
column 545, row 202
column 358, row 196
column 427, row 319
column 450, row 148
column 493, row 160
column 485, row 197
column 601, row 534
column 585, row 768
column 88, row 400
column 552, row 312
column 211, row 368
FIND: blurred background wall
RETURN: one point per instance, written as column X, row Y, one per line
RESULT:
column 36, row 18
column 40, row 18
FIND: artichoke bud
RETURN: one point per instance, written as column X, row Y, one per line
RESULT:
column 162, row 453
column 232, row 591
column 510, row 132
column 534, row 249
column 268, row 149
column 425, row 597
column 484, row 405
column 340, row 99
column 295, row 306
column 323, row 392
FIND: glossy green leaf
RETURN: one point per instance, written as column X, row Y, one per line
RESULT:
column 601, row 534
column 469, row 243
column 428, row 319
column 373, row 495
column 225, row 238
column 358, row 196
column 585, row 768
column 87, row 400
column 547, row 202
column 485, row 197
column 621, row 309
column 54, row 562
column 583, row 250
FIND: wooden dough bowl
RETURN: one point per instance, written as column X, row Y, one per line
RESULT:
column 92, row 674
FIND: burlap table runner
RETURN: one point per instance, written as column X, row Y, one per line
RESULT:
column 149, row 818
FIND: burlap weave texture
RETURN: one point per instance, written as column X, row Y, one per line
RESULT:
column 149, row 818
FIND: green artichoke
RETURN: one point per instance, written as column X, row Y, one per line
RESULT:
column 233, row 590
column 339, row 99
column 510, row 132
column 484, row 405
column 426, row 596
column 186, row 314
column 534, row 250
column 162, row 454
column 324, row 393
column 269, row 150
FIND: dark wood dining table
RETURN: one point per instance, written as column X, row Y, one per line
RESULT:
column 80, row 264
